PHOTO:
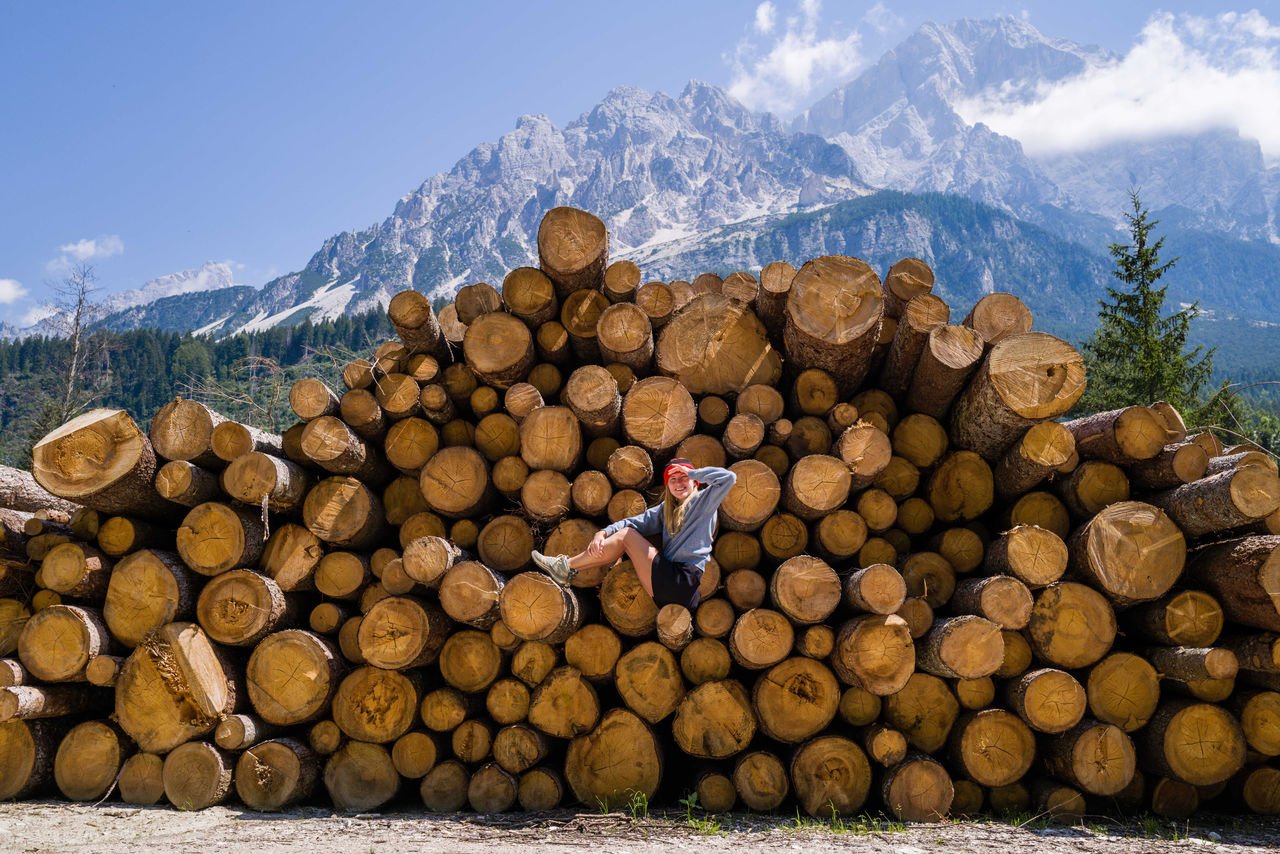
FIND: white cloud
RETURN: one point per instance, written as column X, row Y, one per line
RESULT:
column 882, row 18
column 11, row 290
column 89, row 248
column 780, row 75
column 1185, row 75
column 766, row 17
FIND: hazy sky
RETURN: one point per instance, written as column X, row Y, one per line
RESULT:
column 148, row 138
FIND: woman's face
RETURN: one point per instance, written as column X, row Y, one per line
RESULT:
column 680, row 485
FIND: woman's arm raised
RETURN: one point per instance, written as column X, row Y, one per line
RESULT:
column 718, row 482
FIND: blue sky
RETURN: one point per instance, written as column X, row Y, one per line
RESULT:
column 149, row 137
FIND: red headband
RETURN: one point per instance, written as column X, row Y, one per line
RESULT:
column 675, row 465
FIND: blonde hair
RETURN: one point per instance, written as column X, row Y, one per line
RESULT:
column 673, row 511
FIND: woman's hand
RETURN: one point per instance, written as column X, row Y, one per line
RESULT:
column 596, row 546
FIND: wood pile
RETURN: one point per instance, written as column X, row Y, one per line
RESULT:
column 927, row 597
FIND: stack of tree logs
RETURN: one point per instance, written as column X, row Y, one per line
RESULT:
column 928, row 596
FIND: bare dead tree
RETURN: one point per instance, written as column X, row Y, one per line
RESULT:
column 255, row 391
column 76, row 312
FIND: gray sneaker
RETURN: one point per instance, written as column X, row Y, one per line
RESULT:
column 556, row 567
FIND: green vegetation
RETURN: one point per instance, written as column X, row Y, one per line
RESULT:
column 862, row 824
column 244, row 376
column 1137, row 354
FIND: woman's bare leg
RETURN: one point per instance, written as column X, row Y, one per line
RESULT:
column 613, row 549
column 630, row 542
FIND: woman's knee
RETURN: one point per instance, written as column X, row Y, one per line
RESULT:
column 633, row 540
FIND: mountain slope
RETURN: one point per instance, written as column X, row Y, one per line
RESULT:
column 671, row 177
column 654, row 167
column 910, row 123
column 900, row 114
column 975, row 250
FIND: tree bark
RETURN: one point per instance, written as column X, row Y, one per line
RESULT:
column 1025, row 378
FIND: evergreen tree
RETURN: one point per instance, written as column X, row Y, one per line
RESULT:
column 1138, row 355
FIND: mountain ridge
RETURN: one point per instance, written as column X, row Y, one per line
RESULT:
column 666, row 173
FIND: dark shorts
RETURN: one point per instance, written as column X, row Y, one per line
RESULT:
column 675, row 582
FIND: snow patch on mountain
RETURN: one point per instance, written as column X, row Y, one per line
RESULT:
column 327, row 303
column 209, row 276
column 668, row 174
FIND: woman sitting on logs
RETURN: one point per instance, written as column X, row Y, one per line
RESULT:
column 687, row 519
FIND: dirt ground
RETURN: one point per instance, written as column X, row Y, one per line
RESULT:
column 57, row 826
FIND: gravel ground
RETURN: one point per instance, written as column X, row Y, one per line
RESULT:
column 57, row 826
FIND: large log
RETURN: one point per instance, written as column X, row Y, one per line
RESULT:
column 1123, row 689
column 997, row 316
column 216, row 537
column 592, row 395
column 183, row 430
column 27, row 753
column 1071, row 625
column 1223, row 501
column 255, row 478
column 992, row 747
column 965, row 647
column 1181, row 618
column 1173, row 466
column 573, row 249
column 58, row 641
column 649, row 682
column 618, row 758
column 564, row 704
column 1127, row 435
column 375, row 705
column 19, row 491
column 833, row 318
column 535, row 608
column 147, row 590
column 104, row 461
column 795, row 700
column 1031, row 554
column 276, row 774
column 1197, row 743
column 832, row 776
column 906, row 280
column 416, row 324
column 874, row 653
column 76, row 571
column 401, row 631
column 232, row 439
column 714, row 720
column 361, row 776
column 1097, row 758
column 1130, row 551
column 344, row 512
column 716, row 345
column 499, row 348
column 186, row 483
column 1244, row 576
column 173, row 688
column 88, row 760
column 950, row 356
column 241, row 607
column 1037, row 455
column 1025, row 378
column 333, row 446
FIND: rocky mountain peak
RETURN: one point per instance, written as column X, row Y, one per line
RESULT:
column 666, row 173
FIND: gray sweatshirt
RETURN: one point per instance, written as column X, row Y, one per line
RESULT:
column 692, row 543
